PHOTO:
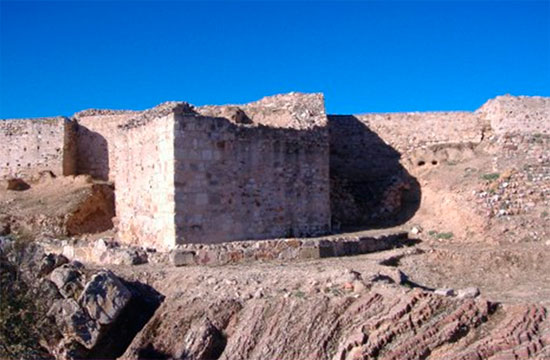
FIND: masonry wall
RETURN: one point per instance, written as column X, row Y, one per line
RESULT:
column 371, row 146
column 517, row 114
column 144, row 182
column 372, row 157
column 239, row 182
column 407, row 131
column 96, row 138
column 28, row 146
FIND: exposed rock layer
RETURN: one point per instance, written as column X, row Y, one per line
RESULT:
column 383, row 323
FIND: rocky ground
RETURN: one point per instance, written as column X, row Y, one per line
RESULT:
column 361, row 307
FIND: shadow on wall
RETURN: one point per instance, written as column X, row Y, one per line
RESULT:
column 92, row 154
column 370, row 189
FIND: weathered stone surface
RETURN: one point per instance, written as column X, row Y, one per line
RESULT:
column 68, row 280
column 444, row 292
column 517, row 114
column 75, row 323
column 104, row 297
column 202, row 150
column 203, row 341
column 50, row 262
column 468, row 293
column 386, row 322
column 131, row 256
column 103, row 251
column 182, row 257
column 29, row 146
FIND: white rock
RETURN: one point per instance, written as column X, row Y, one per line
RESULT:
column 444, row 292
column 416, row 230
column 468, row 293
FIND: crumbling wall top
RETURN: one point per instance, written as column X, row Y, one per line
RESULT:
column 293, row 110
column 100, row 112
column 517, row 114
column 161, row 110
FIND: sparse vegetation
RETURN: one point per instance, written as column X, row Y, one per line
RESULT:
column 544, row 214
column 441, row 235
column 445, row 235
column 490, row 176
column 23, row 320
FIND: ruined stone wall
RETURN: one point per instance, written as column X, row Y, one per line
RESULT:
column 517, row 114
column 408, row 131
column 28, row 146
column 144, row 181
column 372, row 155
column 253, row 171
column 96, row 138
column 243, row 183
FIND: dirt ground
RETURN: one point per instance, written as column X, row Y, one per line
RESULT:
column 58, row 206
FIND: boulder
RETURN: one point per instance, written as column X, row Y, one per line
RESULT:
column 75, row 323
column 68, row 280
column 50, row 262
column 48, row 292
column 182, row 257
column 104, row 297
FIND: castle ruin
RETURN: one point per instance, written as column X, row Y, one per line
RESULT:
column 267, row 169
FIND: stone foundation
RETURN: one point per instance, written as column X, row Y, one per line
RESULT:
column 237, row 252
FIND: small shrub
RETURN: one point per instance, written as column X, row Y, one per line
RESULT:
column 444, row 235
column 490, row 176
column 544, row 214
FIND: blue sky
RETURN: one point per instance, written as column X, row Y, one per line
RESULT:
column 61, row 57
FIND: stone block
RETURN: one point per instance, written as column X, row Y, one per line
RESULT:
column 444, row 292
column 468, row 293
column 182, row 258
